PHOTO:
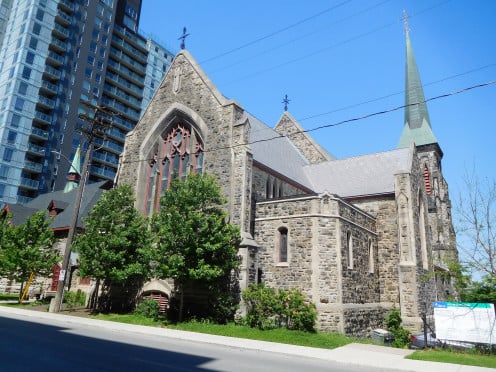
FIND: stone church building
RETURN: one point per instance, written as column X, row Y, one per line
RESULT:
column 357, row 236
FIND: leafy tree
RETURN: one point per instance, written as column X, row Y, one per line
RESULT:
column 115, row 248
column 28, row 248
column 483, row 291
column 476, row 227
column 194, row 243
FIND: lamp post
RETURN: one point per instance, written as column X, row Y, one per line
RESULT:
column 98, row 126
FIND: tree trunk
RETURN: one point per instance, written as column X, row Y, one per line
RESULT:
column 94, row 296
column 20, row 292
column 181, row 305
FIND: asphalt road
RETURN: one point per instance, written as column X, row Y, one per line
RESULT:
column 51, row 345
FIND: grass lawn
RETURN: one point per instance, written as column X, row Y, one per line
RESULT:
column 469, row 358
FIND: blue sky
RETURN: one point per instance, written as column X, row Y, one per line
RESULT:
column 342, row 59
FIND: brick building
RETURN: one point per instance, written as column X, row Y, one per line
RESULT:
column 357, row 236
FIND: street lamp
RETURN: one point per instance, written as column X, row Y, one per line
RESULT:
column 98, row 126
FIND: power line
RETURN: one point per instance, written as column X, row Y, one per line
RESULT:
column 342, row 122
column 275, row 32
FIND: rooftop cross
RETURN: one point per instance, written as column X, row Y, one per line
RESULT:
column 183, row 38
column 405, row 21
column 285, row 101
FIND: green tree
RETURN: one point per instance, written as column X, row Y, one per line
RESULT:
column 115, row 249
column 483, row 291
column 28, row 248
column 194, row 243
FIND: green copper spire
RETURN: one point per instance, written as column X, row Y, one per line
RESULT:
column 417, row 123
column 74, row 174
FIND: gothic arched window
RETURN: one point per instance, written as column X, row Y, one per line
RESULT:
column 283, row 244
column 180, row 153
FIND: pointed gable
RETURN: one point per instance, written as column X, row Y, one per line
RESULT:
column 310, row 149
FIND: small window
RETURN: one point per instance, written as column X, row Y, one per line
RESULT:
column 4, row 172
column 349, row 250
column 36, row 29
column 88, row 72
column 15, row 121
column 7, row 154
column 26, row 73
column 40, row 14
column 30, row 58
column 91, row 60
column 33, row 43
column 23, row 88
column 2, row 190
column 11, row 137
column 283, row 244
column 371, row 257
column 19, row 104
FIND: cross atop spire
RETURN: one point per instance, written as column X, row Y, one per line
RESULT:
column 286, row 101
column 405, row 22
column 183, row 38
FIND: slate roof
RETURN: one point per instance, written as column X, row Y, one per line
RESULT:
column 279, row 154
column 65, row 201
column 361, row 175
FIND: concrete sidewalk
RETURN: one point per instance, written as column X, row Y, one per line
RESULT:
column 363, row 355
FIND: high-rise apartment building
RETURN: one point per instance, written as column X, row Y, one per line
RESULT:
column 54, row 55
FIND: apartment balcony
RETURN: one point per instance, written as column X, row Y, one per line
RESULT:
column 67, row 6
column 36, row 150
column 122, row 109
column 39, row 134
column 123, row 123
column 58, row 45
column 131, row 37
column 47, row 87
column 128, row 61
column 23, row 199
column 123, row 70
column 122, row 96
column 32, row 166
column 124, row 84
column 106, row 158
column 28, row 183
column 110, row 146
column 44, row 118
column 55, row 59
column 63, row 18
column 60, row 31
column 45, row 102
column 52, row 73
column 103, row 172
column 129, row 48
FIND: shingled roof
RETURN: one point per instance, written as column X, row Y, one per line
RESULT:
column 370, row 174
column 64, row 202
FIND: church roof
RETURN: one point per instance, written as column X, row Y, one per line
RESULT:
column 417, row 127
column 277, row 152
column 65, row 200
column 361, row 175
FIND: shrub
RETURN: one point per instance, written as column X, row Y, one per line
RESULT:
column 401, row 336
column 268, row 309
column 149, row 308
column 73, row 299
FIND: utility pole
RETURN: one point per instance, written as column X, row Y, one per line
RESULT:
column 99, row 123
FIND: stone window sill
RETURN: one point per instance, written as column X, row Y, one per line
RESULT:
column 282, row 264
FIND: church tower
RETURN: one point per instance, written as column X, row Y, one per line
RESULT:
column 418, row 130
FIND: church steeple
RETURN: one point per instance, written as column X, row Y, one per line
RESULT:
column 417, row 123
column 74, row 174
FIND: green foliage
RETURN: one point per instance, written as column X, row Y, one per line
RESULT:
column 27, row 248
column 401, row 336
column 74, row 299
column 194, row 243
column 116, row 244
column 483, row 291
column 149, row 308
column 268, row 309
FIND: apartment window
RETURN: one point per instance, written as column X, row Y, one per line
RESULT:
column 39, row 15
column 19, row 43
column 86, row 86
column 7, row 154
column 100, row 65
column 4, row 172
column 26, row 73
column 98, row 78
column 16, row 55
column 4, row 103
column 23, row 28
column 36, row 28
column 94, row 34
column 30, row 58
column 93, row 47
column 91, row 60
column 11, row 72
column 104, row 39
column 88, row 72
column 11, row 137
column 2, row 190
column 15, row 121
column 33, row 43
column 101, row 52
column 283, row 244
column 19, row 104
column 95, row 91
column 23, row 88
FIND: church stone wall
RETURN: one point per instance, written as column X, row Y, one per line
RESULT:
column 316, row 228
column 260, row 180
